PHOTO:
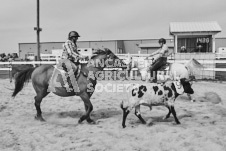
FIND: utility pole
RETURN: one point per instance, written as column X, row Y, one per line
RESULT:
column 38, row 31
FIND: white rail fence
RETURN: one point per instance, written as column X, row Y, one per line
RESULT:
column 210, row 65
column 170, row 61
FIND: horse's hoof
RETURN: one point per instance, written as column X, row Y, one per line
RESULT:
column 90, row 121
column 176, row 123
column 40, row 118
column 123, row 126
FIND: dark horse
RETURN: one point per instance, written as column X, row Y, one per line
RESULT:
column 44, row 76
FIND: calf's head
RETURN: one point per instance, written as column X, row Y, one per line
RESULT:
column 187, row 86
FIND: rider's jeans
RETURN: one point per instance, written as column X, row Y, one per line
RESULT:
column 156, row 66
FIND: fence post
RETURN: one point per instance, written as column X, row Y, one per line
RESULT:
column 57, row 59
column 10, row 71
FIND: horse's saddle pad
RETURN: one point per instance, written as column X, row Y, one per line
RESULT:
column 60, row 73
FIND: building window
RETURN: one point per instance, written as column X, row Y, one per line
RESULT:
column 120, row 51
column 199, row 44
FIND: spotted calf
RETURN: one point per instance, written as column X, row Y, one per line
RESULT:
column 154, row 95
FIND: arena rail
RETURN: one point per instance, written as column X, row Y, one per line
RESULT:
column 9, row 64
column 27, row 62
column 210, row 65
column 7, row 69
column 49, row 57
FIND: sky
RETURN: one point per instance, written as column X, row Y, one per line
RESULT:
column 101, row 19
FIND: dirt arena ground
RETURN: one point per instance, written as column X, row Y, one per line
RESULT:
column 203, row 123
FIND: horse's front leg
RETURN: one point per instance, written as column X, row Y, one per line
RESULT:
column 88, row 107
column 88, row 119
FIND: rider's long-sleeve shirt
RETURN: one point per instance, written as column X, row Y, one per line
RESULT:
column 69, row 50
column 162, row 52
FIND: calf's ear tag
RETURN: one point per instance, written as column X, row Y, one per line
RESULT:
column 179, row 87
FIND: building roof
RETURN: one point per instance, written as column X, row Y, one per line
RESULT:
column 194, row 27
column 154, row 45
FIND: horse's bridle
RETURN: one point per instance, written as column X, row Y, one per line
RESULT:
column 108, row 56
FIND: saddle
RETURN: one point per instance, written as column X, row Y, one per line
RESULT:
column 166, row 67
column 64, row 66
column 163, row 72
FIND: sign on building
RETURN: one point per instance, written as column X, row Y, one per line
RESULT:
column 203, row 40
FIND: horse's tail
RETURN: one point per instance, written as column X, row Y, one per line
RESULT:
column 22, row 78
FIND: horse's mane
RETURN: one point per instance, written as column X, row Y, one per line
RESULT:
column 101, row 52
column 107, row 51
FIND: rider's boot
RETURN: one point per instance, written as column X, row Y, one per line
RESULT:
column 71, row 80
column 153, row 79
column 67, row 84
